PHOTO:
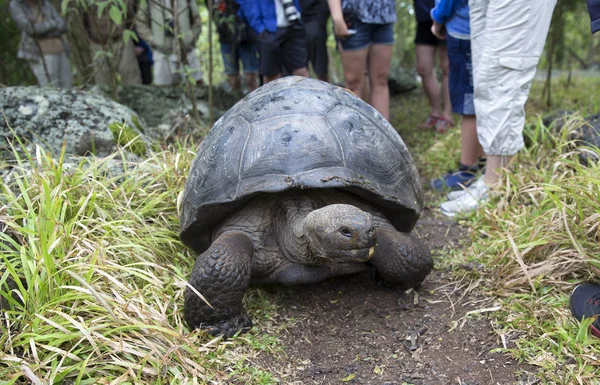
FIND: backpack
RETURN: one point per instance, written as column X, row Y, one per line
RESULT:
column 232, row 29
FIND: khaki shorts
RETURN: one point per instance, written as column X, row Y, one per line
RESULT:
column 507, row 40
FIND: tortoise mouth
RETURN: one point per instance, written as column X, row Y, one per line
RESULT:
column 363, row 254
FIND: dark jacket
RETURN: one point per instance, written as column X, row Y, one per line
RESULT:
column 422, row 9
column 315, row 10
column 260, row 14
column 594, row 10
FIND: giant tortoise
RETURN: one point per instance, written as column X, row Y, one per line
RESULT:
column 298, row 182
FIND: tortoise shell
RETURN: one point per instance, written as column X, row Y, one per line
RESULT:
column 298, row 133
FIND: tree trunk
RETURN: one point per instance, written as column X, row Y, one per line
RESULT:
column 211, row 117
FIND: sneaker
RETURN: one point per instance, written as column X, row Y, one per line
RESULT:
column 456, row 180
column 585, row 303
column 452, row 195
column 468, row 201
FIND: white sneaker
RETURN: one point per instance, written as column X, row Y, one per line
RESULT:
column 452, row 195
column 467, row 200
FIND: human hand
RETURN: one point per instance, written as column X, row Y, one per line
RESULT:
column 340, row 29
column 139, row 50
column 438, row 30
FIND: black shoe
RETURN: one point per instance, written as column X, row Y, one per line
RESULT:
column 585, row 303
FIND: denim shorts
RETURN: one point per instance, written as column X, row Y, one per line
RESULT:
column 461, row 76
column 232, row 54
column 367, row 34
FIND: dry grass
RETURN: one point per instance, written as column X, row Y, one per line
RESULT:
column 536, row 239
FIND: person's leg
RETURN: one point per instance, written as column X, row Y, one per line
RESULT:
column 270, row 55
column 235, row 80
column 321, row 57
column 512, row 44
column 163, row 74
column 249, row 56
column 293, row 50
column 353, row 52
column 102, row 64
column 64, row 71
column 354, row 63
column 461, row 96
column 194, row 66
column 380, row 57
column 470, row 150
column 37, row 67
column 129, row 68
column 231, row 65
column 425, row 63
column 445, row 66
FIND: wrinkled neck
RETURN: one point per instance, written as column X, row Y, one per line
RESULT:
column 291, row 233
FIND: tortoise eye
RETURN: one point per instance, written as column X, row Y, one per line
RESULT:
column 346, row 232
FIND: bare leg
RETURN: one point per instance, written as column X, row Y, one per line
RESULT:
column 301, row 72
column 235, row 82
column 221, row 274
column 445, row 65
column 493, row 166
column 251, row 80
column 380, row 57
column 366, row 89
column 425, row 62
column 269, row 79
column 354, row 64
column 470, row 150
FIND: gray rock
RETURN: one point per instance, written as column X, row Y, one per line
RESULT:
column 167, row 110
column 84, row 122
column 401, row 80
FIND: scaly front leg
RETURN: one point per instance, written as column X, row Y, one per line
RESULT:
column 221, row 274
column 401, row 258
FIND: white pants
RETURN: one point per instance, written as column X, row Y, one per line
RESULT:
column 507, row 40
column 167, row 69
column 59, row 71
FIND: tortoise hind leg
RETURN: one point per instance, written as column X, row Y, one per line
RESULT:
column 221, row 275
column 401, row 258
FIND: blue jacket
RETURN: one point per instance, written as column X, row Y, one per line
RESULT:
column 455, row 15
column 594, row 10
column 260, row 14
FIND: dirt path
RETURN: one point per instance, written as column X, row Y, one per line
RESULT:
column 353, row 330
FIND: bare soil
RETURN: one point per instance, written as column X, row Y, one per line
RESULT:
column 355, row 330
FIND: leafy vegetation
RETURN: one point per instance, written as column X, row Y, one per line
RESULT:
column 100, row 272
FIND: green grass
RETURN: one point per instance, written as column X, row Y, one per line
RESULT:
column 101, row 273
column 537, row 238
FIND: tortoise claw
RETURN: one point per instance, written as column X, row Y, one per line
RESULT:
column 229, row 327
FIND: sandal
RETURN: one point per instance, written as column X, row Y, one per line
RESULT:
column 430, row 122
column 443, row 125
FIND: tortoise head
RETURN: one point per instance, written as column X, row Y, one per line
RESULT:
column 340, row 233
